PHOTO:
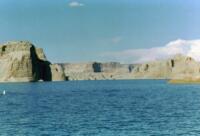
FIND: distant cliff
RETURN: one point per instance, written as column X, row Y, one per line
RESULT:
column 96, row 71
column 177, row 67
column 22, row 62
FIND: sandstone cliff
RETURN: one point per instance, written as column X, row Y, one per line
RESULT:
column 96, row 71
column 22, row 62
column 177, row 67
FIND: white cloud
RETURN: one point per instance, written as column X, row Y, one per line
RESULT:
column 186, row 47
column 75, row 4
column 116, row 39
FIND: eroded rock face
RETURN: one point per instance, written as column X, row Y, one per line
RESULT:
column 176, row 67
column 18, row 62
column 22, row 62
column 57, row 73
column 96, row 71
column 113, row 67
column 40, row 54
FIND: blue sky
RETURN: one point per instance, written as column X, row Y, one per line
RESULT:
column 86, row 30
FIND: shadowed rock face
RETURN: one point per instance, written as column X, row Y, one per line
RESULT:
column 97, row 67
column 22, row 62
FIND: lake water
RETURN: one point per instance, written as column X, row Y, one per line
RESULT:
column 100, row 108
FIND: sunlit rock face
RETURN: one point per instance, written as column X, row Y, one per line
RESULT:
column 177, row 67
column 96, row 71
column 57, row 73
column 20, row 61
column 40, row 54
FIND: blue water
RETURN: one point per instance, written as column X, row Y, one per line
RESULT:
column 102, row 108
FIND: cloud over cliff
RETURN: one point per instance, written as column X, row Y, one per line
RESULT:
column 186, row 47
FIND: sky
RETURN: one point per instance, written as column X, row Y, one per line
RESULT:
column 127, row 31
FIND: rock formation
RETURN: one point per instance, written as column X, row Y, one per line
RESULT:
column 18, row 62
column 57, row 73
column 22, row 62
column 95, row 71
column 177, row 67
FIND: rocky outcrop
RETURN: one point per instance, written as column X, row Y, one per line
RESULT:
column 177, row 67
column 18, row 62
column 96, row 71
column 22, row 62
column 57, row 73
column 40, row 54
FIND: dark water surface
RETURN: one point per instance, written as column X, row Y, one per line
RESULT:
column 103, row 108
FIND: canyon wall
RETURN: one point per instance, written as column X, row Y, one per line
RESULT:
column 177, row 67
column 22, row 62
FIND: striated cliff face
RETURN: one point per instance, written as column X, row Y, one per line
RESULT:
column 22, row 62
column 177, row 67
column 18, row 62
column 95, row 71
column 57, row 73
